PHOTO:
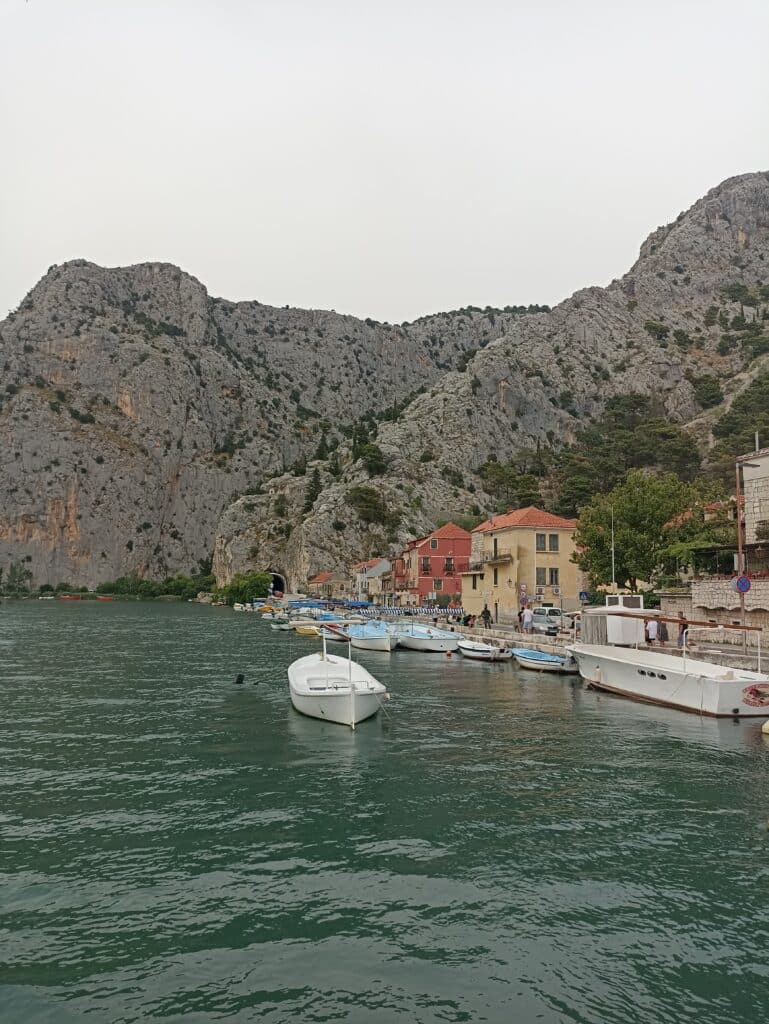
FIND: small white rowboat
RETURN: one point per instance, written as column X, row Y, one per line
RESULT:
column 484, row 652
column 334, row 689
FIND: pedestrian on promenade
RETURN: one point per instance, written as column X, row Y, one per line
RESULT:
column 528, row 619
column 683, row 625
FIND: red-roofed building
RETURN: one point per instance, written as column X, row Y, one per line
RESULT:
column 329, row 586
column 521, row 557
column 430, row 568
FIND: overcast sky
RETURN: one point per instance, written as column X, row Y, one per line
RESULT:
column 387, row 159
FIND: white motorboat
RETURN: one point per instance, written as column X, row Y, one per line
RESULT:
column 267, row 615
column 372, row 636
column 540, row 661
column 655, row 677
column 334, row 689
column 417, row 637
column 484, row 652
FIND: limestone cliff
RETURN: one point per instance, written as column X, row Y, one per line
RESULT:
column 661, row 326
column 135, row 407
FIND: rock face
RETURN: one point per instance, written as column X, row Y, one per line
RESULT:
column 145, row 425
column 135, row 408
column 653, row 331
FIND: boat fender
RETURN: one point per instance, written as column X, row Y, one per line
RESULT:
column 448, row 654
column 735, row 712
column 765, row 728
column 240, row 678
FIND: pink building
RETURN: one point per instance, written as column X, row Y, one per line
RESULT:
column 430, row 567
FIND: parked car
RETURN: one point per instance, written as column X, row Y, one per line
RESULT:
column 542, row 623
column 555, row 616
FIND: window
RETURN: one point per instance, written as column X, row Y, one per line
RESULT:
column 541, row 542
column 541, row 575
column 552, row 542
column 434, row 544
column 496, row 577
column 437, row 584
column 475, row 581
column 553, row 577
column 425, row 566
column 449, row 565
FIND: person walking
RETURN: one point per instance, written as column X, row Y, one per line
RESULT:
column 662, row 633
column 528, row 619
column 683, row 625
column 651, row 632
column 486, row 616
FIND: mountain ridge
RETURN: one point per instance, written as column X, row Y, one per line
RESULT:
column 138, row 411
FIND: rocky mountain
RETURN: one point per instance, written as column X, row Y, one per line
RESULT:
column 134, row 408
column 691, row 311
column 146, row 425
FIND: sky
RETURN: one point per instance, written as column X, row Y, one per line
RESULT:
column 386, row 159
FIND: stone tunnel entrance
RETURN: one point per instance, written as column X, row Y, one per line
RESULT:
column 278, row 582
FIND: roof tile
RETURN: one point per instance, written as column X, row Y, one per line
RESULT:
column 530, row 517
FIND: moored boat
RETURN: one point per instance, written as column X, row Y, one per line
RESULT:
column 307, row 630
column 334, row 689
column 671, row 680
column 417, row 637
column 483, row 652
column 678, row 682
column 540, row 661
column 374, row 635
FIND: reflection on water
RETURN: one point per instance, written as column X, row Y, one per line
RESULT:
column 501, row 846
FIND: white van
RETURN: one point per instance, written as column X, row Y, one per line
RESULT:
column 555, row 616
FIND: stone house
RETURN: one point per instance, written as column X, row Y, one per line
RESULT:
column 329, row 586
column 366, row 582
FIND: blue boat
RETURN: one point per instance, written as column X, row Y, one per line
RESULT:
column 539, row 661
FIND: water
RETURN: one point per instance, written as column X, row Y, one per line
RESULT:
column 504, row 847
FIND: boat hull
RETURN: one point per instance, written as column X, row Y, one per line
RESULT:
column 537, row 661
column 336, row 708
column 374, row 643
column 483, row 652
column 334, row 689
column 429, row 644
column 655, row 678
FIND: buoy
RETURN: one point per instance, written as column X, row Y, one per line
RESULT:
column 765, row 728
column 448, row 654
column 239, row 679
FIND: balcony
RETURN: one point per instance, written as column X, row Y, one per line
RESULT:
column 498, row 556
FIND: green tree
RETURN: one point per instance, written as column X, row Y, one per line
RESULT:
column 18, row 579
column 245, row 587
column 641, row 506
column 314, row 488
column 372, row 457
column 371, row 506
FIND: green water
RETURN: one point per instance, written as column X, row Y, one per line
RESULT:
column 504, row 847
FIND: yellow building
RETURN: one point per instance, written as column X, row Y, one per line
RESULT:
column 522, row 556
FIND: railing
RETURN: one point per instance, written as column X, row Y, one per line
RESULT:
column 500, row 555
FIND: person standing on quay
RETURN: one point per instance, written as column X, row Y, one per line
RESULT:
column 683, row 625
column 486, row 616
column 528, row 618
